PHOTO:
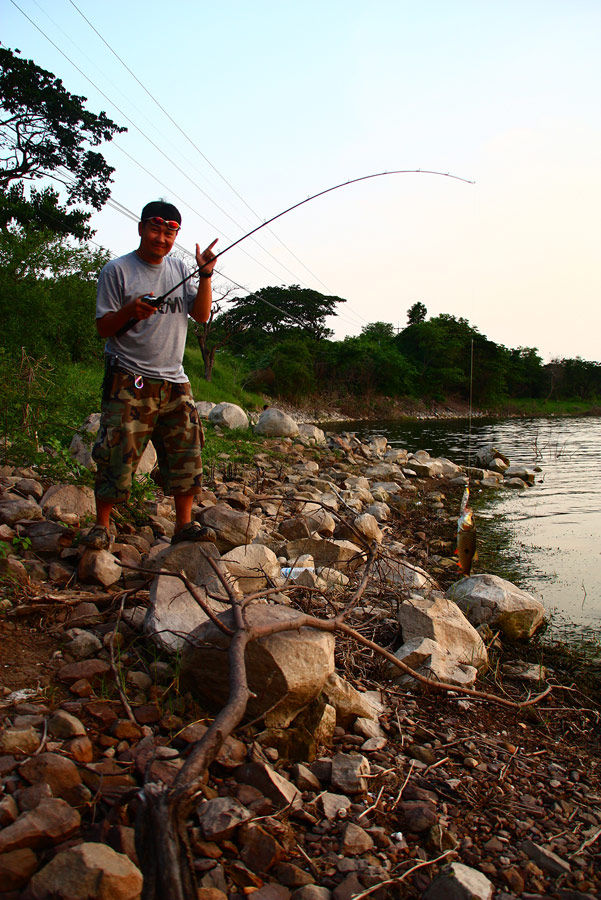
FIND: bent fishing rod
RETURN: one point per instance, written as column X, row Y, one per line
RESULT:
column 158, row 302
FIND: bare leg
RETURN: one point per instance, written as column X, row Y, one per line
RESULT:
column 183, row 510
column 104, row 509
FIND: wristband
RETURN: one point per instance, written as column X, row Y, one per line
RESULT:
column 205, row 274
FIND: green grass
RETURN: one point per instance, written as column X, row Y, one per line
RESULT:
column 227, row 384
column 239, row 446
column 536, row 408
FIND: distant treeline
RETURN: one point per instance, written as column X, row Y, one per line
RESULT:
column 430, row 358
column 276, row 340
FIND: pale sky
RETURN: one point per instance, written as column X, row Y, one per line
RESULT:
column 286, row 99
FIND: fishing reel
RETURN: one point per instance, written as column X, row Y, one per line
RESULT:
column 157, row 302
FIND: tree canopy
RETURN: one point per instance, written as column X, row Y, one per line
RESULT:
column 277, row 309
column 45, row 131
column 416, row 313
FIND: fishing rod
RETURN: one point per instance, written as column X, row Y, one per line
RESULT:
column 158, row 302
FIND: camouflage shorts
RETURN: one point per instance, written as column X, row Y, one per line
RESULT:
column 160, row 410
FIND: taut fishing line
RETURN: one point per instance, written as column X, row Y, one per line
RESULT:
column 159, row 301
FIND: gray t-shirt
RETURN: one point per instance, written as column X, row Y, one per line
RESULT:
column 155, row 346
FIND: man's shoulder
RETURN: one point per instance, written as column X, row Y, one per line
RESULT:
column 121, row 262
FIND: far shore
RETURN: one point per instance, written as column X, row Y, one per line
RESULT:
column 324, row 409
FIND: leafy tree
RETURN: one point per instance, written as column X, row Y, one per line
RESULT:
column 48, row 291
column 581, row 378
column 378, row 331
column 440, row 350
column 525, row 373
column 279, row 309
column 45, row 131
column 416, row 313
column 366, row 365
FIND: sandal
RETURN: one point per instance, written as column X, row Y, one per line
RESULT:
column 97, row 538
column 194, row 532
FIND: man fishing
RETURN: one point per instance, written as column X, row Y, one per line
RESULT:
column 146, row 394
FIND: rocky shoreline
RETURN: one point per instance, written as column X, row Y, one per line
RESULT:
column 352, row 779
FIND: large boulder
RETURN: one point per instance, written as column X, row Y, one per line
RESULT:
column 430, row 659
column 14, row 509
column 252, row 566
column 87, row 870
column 232, row 526
column 488, row 457
column 173, row 612
column 285, row 671
column 311, row 433
column 77, row 499
column 275, row 423
column 488, row 599
column 342, row 555
column 433, row 468
column 439, row 619
column 99, row 567
column 348, row 702
column 404, row 574
column 228, row 415
column 522, row 472
column 203, row 408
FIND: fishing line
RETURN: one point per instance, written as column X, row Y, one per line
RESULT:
column 469, row 441
column 158, row 301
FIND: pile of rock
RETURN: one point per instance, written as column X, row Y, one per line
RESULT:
column 312, row 526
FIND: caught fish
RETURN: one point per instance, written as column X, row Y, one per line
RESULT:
column 466, row 535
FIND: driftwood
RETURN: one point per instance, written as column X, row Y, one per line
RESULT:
column 161, row 833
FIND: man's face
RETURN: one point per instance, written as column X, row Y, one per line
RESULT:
column 156, row 241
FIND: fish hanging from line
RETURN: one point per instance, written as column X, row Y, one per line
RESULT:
column 466, row 535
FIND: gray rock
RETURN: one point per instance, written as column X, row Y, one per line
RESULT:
column 228, row 415
column 173, row 612
column 355, row 840
column 305, row 779
column 204, row 407
column 83, row 644
column 50, row 823
column 232, row 526
column 19, row 740
column 219, row 818
column 270, row 783
column 88, row 870
column 311, row 892
column 275, row 423
column 521, row 472
column 348, row 702
column 252, row 566
column 99, row 567
column 63, row 725
column 333, row 805
column 349, row 771
column 432, row 660
column 286, row 671
column 29, row 487
column 488, row 599
column 439, row 619
column 13, row 509
column 71, row 498
column 311, row 433
column 460, row 882
column 547, row 860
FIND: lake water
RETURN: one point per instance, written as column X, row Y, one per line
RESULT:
column 555, row 526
